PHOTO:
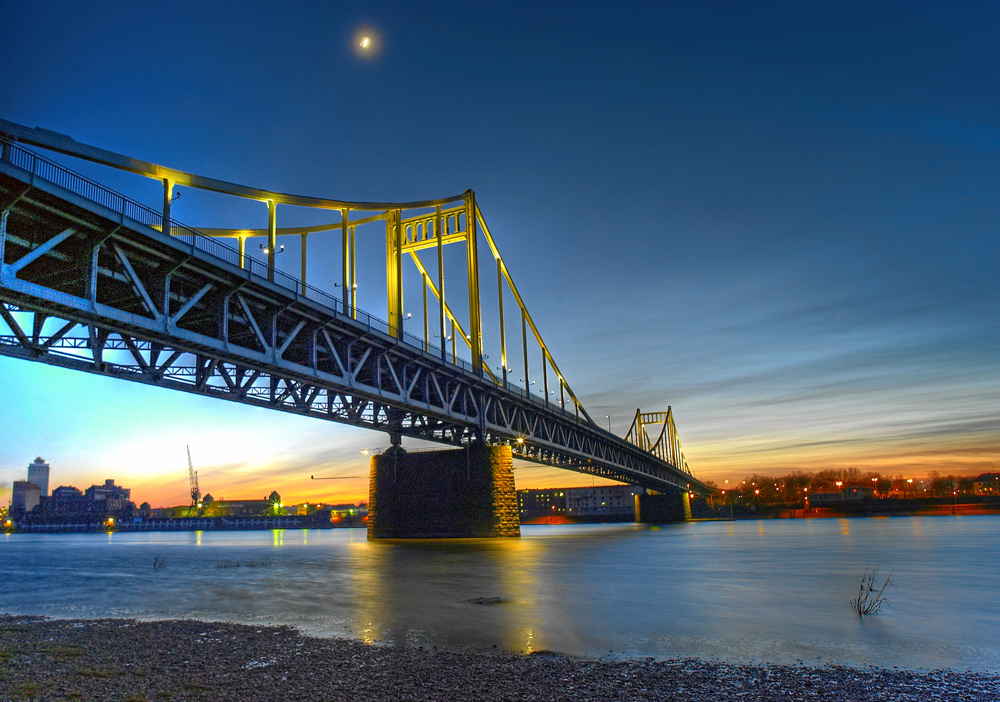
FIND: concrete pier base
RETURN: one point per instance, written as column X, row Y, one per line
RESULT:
column 663, row 508
column 454, row 493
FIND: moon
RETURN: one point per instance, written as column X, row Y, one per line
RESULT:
column 366, row 42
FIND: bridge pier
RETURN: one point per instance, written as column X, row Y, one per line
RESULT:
column 663, row 507
column 454, row 493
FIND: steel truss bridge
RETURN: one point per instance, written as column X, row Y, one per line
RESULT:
column 94, row 281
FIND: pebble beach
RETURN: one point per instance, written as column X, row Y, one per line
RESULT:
column 143, row 661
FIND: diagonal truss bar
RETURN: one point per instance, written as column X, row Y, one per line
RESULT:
column 41, row 250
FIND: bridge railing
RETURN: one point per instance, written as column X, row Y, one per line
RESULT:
column 45, row 169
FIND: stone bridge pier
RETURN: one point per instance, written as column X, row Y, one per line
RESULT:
column 452, row 493
column 663, row 507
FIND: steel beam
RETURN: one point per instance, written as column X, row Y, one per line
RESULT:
column 122, row 298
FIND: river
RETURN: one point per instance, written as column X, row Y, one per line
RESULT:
column 745, row 591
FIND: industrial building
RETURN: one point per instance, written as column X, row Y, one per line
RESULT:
column 602, row 502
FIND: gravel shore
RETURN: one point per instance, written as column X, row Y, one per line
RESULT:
column 127, row 660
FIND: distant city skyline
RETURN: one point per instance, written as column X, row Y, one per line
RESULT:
column 781, row 219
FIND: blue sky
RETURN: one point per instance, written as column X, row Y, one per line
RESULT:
column 781, row 219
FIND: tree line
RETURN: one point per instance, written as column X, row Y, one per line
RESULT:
column 795, row 486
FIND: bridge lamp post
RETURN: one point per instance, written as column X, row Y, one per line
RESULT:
column 350, row 292
column 271, row 251
column 608, row 417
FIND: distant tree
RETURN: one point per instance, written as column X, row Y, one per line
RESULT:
column 935, row 483
column 941, row 485
column 851, row 476
column 795, row 485
column 826, row 480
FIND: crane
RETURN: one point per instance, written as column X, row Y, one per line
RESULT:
column 193, row 482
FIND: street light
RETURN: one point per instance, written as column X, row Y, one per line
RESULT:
column 608, row 416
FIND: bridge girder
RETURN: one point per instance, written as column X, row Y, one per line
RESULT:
column 88, row 282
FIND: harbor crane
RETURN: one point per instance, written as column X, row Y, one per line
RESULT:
column 193, row 483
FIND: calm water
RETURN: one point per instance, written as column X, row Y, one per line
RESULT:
column 741, row 591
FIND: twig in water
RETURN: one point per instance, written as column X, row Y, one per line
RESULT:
column 870, row 597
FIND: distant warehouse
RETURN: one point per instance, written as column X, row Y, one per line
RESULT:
column 846, row 496
column 604, row 503
column 612, row 503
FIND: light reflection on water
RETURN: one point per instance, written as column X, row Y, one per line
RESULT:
column 741, row 591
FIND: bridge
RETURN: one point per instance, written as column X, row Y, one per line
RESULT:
column 92, row 280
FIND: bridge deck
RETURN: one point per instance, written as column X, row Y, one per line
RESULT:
column 89, row 282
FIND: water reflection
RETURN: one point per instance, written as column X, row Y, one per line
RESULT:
column 478, row 592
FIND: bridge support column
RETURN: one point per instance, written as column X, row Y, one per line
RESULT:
column 455, row 493
column 663, row 508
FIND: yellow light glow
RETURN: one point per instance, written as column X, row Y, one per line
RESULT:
column 366, row 42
